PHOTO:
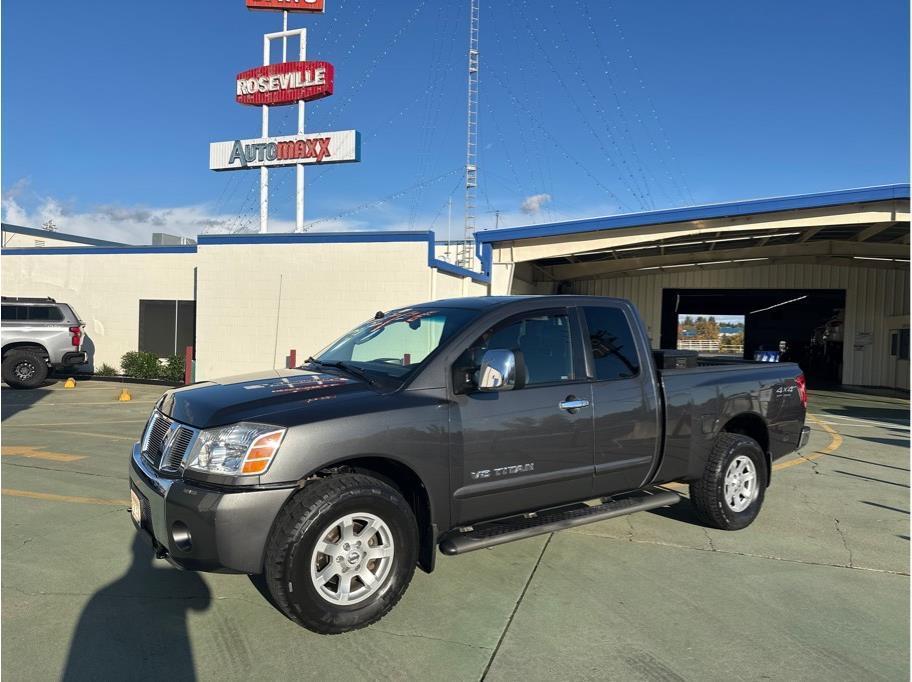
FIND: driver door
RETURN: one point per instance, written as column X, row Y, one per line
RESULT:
column 524, row 449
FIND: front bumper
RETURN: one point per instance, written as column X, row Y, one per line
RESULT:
column 204, row 529
column 803, row 438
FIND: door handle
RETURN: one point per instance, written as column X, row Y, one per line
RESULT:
column 572, row 404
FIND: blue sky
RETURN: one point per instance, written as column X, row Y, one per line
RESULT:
column 588, row 108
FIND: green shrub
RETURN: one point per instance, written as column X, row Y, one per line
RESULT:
column 141, row 365
column 105, row 371
column 173, row 371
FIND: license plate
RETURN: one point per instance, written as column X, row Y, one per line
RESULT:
column 135, row 507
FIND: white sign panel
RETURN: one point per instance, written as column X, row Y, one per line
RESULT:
column 342, row 146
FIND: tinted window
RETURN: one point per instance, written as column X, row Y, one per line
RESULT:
column 13, row 312
column 544, row 341
column 37, row 313
column 44, row 313
column 612, row 344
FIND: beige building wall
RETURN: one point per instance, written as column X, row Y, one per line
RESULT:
column 258, row 301
column 877, row 301
column 255, row 302
column 104, row 289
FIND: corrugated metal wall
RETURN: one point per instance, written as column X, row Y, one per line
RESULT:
column 872, row 295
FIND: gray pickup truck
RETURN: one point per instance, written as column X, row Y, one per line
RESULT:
column 458, row 425
column 39, row 335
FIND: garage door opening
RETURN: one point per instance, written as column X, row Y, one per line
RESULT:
column 804, row 325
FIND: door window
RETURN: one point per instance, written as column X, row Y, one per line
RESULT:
column 613, row 348
column 545, row 342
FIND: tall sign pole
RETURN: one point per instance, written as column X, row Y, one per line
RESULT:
column 281, row 84
column 471, row 170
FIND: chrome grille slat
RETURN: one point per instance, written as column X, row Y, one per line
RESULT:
column 166, row 443
column 177, row 448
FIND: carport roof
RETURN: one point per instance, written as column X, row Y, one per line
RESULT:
column 696, row 213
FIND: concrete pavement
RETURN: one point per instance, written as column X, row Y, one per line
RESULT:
column 816, row 588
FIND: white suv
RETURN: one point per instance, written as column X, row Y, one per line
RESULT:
column 38, row 335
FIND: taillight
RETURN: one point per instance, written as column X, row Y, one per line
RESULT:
column 77, row 336
column 801, row 383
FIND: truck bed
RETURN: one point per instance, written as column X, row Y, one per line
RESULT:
column 700, row 401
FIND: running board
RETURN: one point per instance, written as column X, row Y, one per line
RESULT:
column 529, row 525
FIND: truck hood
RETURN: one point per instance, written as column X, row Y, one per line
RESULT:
column 276, row 397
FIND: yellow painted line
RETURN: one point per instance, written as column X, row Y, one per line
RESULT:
column 835, row 441
column 81, row 423
column 65, row 498
column 38, row 453
column 132, row 439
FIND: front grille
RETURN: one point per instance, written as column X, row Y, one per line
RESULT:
column 165, row 443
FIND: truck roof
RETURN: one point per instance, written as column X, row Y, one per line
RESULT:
column 486, row 302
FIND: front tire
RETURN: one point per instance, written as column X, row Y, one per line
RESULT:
column 341, row 553
column 24, row 369
column 731, row 491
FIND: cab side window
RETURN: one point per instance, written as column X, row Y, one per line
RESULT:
column 613, row 348
column 545, row 342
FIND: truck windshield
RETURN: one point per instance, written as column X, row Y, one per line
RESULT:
column 397, row 343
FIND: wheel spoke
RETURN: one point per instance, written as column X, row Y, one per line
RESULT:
column 347, row 528
column 323, row 576
column 368, row 578
column 369, row 530
column 344, row 586
column 328, row 548
column 382, row 552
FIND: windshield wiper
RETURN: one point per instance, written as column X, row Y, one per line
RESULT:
column 350, row 369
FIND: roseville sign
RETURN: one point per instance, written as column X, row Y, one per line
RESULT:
column 337, row 147
column 288, row 5
column 285, row 83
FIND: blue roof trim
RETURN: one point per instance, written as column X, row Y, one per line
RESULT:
column 313, row 238
column 705, row 212
column 483, row 277
column 94, row 250
column 32, row 232
column 427, row 237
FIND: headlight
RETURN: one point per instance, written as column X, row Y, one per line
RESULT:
column 237, row 450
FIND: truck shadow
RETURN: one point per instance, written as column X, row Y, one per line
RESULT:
column 136, row 626
column 13, row 401
column 683, row 511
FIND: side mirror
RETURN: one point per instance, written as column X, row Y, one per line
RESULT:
column 501, row 370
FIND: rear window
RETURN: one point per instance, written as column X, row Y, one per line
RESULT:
column 613, row 348
column 32, row 313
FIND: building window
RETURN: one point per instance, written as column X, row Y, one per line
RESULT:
column 166, row 327
column 899, row 344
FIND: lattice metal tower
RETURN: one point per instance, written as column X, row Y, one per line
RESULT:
column 471, row 170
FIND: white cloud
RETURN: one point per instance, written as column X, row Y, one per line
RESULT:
column 135, row 224
column 533, row 204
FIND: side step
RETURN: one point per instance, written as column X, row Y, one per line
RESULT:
column 520, row 527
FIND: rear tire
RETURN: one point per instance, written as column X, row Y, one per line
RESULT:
column 24, row 369
column 341, row 553
column 731, row 491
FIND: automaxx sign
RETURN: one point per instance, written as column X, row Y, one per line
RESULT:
column 336, row 147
